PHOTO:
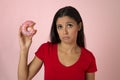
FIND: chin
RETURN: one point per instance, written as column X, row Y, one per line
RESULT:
column 67, row 41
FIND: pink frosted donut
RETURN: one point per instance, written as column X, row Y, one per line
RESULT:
column 27, row 28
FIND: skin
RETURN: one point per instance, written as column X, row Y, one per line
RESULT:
column 68, row 50
column 67, row 29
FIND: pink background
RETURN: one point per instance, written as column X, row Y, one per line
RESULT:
column 101, row 23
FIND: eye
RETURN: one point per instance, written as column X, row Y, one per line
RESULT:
column 70, row 25
column 59, row 27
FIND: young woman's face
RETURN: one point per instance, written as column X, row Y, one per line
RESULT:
column 67, row 29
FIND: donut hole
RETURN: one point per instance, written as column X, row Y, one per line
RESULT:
column 29, row 29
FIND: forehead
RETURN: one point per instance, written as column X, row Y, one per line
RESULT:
column 65, row 19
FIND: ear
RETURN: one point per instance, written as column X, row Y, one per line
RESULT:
column 80, row 26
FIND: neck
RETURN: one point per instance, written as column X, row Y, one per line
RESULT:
column 68, row 47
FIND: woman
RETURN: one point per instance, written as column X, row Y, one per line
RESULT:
column 65, row 56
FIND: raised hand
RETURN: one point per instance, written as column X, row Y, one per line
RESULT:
column 26, row 32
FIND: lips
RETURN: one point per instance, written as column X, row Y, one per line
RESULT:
column 66, row 37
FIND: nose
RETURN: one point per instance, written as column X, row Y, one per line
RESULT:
column 65, row 31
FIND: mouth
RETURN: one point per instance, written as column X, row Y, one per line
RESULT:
column 66, row 37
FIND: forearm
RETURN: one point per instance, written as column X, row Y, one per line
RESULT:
column 23, row 70
column 25, row 43
column 90, row 76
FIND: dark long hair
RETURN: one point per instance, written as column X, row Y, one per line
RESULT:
column 74, row 14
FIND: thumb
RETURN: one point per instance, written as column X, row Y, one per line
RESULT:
column 33, row 33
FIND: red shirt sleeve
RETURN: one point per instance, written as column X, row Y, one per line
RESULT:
column 40, row 53
column 92, row 67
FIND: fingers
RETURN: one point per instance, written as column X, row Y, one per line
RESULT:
column 33, row 33
column 20, row 31
column 26, row 32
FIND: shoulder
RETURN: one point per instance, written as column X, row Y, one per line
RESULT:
column 47, row 45
column 87, row 53
column 44, row 50
column 89, row 60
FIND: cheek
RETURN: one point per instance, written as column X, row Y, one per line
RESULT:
column 74, row 32
column 59, row 33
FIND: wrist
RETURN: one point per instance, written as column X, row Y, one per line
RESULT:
column 24, row 49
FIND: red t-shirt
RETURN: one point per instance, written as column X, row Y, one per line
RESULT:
column 54, row 70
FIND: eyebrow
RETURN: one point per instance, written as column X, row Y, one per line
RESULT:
column 66, row 22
